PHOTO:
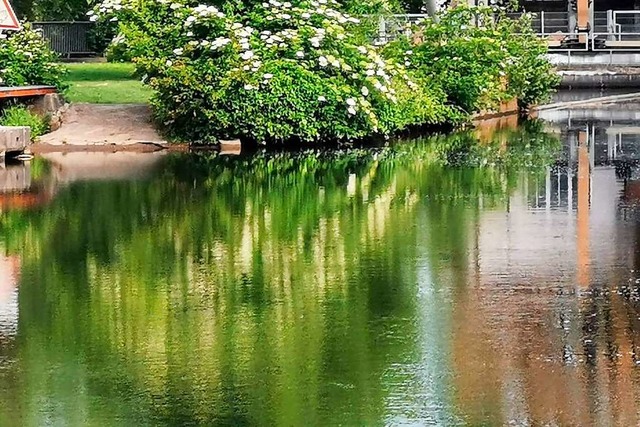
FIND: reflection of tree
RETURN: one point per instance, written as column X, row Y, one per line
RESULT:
column 274, row 289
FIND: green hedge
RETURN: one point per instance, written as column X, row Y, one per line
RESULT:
column 302, row 71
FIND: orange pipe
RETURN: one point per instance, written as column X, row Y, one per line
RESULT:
column 584, row 184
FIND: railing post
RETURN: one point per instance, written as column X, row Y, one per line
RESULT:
column 611, row 28
column 382, row 29
column 542, row 22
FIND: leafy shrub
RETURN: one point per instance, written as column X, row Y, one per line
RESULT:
column 277, row 72
column 478, row 56
column 118, row 50
column 100, row 36
column 273, row 71
column 21, row 116
column 25, row 59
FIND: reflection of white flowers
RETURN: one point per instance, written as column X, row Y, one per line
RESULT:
column 323, row 61
column 247, row 55
column 315, row 41
column 268, row 76
column 351, row 102
column 322, row 99
column 300, row 54
column 364, row 91
column 179, row 51
column 249, row 87
column 352, row 111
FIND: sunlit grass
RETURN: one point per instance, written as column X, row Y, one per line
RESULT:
column 105, row 83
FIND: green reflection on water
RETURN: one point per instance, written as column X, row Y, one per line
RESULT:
column 273, row 289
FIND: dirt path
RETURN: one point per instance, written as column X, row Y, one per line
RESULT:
column 104, row 125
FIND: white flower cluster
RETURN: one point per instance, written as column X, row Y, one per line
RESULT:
column 312, row 33
column 200, row 13
column 107, row 7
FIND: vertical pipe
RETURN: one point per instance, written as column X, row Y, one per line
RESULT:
column 559, row 191
column 571, row 18
column 583, row 15
column 570, row 189
column 431, row 6
column 542, row 22
column 547, row 188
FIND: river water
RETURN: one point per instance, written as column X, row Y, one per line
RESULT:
column 432, row 282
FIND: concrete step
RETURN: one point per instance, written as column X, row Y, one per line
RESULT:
column 14, row 140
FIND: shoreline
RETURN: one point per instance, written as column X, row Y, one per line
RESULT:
column 139, row 147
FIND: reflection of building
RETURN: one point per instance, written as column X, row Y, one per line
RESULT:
column 543, row 335
column 16, row 190
column 15, row 185
column 9, row 277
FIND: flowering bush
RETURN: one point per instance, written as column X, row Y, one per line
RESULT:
column 478, row 56
column 25, row 59
column 276, row 72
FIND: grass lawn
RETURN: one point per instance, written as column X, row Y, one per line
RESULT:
column 105, row 83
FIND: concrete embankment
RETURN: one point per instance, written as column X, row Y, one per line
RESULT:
column 594, row 102
column 598, row 78
column 598, row 70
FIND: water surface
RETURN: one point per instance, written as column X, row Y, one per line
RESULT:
column 433, row 282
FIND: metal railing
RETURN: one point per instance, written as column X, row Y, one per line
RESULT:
column 67, row 38
column 543, row 23
column 628, row 42
column 566, row 42
column 624, row 21
column 390, row 27
column 610, row 31
column 547, row 22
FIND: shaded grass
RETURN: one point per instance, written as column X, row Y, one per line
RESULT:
column 105, row 83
